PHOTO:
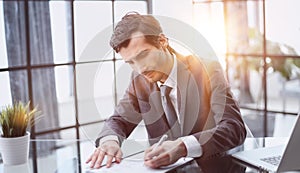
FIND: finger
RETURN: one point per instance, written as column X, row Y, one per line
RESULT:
column 89, row 159
column 94, row 157
column 149, row 163
column 91, row 156
column 100, row 158
column 118, row 156
column 162, row 160
column 150, row 148
column 109, row 160
column 153, row 153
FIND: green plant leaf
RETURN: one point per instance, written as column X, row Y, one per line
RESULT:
column 15, row 119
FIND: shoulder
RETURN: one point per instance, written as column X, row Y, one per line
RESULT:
column 193, row 63
column 198, row 63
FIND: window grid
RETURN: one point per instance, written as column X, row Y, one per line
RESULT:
column 29, row 67
column 264, row 55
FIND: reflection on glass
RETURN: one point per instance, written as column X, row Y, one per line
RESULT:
column 255, row 122
column 53, row 155
column 95, row 92
column 91, row 18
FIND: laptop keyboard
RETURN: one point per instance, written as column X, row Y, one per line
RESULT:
column 275, row 160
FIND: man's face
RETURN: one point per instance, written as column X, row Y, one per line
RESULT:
column 154, row 63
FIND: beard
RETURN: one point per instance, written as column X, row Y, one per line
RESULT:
column 155, row 76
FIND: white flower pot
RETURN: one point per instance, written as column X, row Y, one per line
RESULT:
column 15, row 151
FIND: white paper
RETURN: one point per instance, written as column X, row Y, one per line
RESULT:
column 134, row 164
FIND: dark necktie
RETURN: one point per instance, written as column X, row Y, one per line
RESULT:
column 170, row 111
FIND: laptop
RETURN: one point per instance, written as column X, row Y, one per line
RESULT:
column 275, row 159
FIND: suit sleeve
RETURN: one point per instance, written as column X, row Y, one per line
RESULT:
column 125, row 118
column 224, row 128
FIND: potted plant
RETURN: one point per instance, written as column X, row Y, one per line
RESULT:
column 14, row 139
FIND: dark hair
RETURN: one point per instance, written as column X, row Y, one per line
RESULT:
column 131, row 23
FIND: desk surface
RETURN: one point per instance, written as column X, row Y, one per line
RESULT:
column 64, row 156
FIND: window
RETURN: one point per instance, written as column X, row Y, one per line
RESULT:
column 258, row 41
column 56, row 61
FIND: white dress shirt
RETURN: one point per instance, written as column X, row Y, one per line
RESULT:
column 191, row 143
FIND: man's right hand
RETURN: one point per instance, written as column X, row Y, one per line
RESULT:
column 110, row 149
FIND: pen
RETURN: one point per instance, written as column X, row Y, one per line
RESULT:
column 161, row 140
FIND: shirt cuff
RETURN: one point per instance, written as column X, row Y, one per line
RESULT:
column 109, row 138
column 192, row 145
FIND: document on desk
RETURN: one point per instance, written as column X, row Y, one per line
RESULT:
column 136, row 164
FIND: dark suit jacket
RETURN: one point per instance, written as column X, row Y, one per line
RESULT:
column 206, row 107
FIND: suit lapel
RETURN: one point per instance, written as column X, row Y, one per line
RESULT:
column 183, row 76
column 160, row 125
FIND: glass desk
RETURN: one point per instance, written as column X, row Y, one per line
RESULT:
column 69, row 156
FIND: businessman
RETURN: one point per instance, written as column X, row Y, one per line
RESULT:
column 186, row 98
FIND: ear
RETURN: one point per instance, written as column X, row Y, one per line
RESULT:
column 163, row 40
